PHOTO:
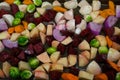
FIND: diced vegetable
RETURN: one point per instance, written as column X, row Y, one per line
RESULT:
column 22, row 8
column 109, row 41
column 46, row 5
column 69, row 76
column 95, row 28
column 31, row 8
column 26, row 74
column 83, row 3
column 4, row 5
column 14, row 72
column 2, row 75
column 16, row 22
column 118, row 11
column 85, row 75
column 43, row 57
column 51, row 50
column 59, row 9
column 19, row 28
column 85, row 10
column 96, row 5
column 6, row 67
column 19, row 14
column 68, row 14
column 11, row 30
column 63, row 61
column 101, row 76
column 113, row 54
column 117, row 76
column 94, row 43
column 3, row 25
column 84, row 45
column 37, row 2
column 70, row 25
column 1, row 47
column 110, row 21
column 10, row 44
column 14, row 36
column 22, row 40
column 17, row 2
column 57, row 35
column 27, row 2
column 82, row 25
column 31, row 26
column 33, row 62
column 40, row 10
column 70, row 4
column 103, row 50
column 88, row 18
column 8, row 18
column 23, row 65
column 56, row 3
column 36, row 15
column 94, row 68
column 102, row 40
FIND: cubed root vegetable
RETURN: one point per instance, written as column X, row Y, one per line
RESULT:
column 69, row 76
column 101, row 76
column 109, row 41
column 27, row 2
column 59, row 9
column 25, row 24
column 11, row 30
column 9, row 1
column 19, row 29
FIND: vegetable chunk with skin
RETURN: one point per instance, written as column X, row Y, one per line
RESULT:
column 44, row 58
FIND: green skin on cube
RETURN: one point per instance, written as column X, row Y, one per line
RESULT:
column 51, row 50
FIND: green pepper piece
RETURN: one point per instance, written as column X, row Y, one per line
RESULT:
column 22, row 40
column 16, row 22
column 19, row 14
column 31, row 8
column 33, row 62
column 14, row 72
column 103, row 50
column 26, row 74
column 51, row 50
column 94, row 43
column 37, row 2
column 31, row 26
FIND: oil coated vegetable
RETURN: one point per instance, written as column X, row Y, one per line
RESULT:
column 22, row 40
column 33, row 62
column 14, row 72
column 26, row 74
